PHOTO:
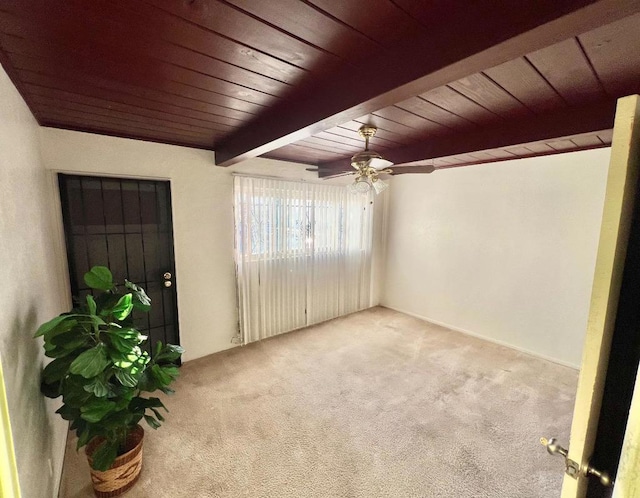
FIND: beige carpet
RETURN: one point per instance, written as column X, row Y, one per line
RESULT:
column 375, row 404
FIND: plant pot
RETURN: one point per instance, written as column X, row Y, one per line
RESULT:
column 125, row 470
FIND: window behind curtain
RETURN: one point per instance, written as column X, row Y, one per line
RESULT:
column 303, row 254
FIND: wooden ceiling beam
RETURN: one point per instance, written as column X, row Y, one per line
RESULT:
column 574, row 121
column 468, row 37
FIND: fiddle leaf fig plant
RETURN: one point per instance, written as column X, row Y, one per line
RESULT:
column 100, row 368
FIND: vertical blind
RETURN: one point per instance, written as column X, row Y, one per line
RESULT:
column 303, row 254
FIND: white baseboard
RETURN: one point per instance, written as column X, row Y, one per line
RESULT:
column 485, row 338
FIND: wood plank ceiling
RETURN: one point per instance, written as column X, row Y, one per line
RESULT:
column 447, row 83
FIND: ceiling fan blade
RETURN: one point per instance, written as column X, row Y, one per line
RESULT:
column 337, row 175
column 425, row 168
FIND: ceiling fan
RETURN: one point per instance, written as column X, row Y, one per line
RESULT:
column 368, row 165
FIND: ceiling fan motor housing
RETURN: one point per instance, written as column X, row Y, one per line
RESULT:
column 362, row 159
column 368, row 164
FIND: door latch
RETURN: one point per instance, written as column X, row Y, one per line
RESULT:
column 572, row 468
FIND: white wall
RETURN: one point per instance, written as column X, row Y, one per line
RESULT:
column 505, row 250
column 202, row 219
column 30, row 294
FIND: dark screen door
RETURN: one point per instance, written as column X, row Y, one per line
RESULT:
column 124, row 224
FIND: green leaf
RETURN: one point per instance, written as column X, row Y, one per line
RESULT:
column 157, row 414
column 56, row 370
column 170, row 352
column 147, row 382
column 126, row 379
column 104, row 455
column 143, row 403
column 143, row 359
column 91, row 304
column 97, row 387
column 124, row 340
column 141, row 300
column 99, row 277
column 124, row 396
column 55, row 352
column 50, row 390
column 53, row 325
column 106, row 300
column 68, row 413
column 117, row 420
column 156, row 403
column 63, row 328
column 163, row 378
column 73, row 392
column 140, row 307
column 123, row 307
column 144, row 299
column 72, row 340
column 89, row 323
column 96, row 409
column 171, row 371
column 83, row 431
column 91, row 362
column 77, row 425
column 158, row 349
column 129, row 333
column 122, row 345
column 153, row 423
column 127, row 360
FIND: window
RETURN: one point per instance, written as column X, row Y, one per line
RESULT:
column 303, row 253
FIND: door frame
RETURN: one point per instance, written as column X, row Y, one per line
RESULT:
column 60, row 245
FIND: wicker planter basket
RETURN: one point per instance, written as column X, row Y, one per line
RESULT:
column 124, row 472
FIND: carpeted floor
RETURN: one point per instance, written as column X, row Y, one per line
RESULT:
column 374, row 404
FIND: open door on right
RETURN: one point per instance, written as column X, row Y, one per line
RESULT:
column 603, row 458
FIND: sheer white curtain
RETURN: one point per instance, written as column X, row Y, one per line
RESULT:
column 303, row 254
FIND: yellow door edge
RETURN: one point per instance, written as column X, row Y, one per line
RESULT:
column 614, row 233
column 9, row 483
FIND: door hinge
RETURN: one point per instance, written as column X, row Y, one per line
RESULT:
column 572, row 468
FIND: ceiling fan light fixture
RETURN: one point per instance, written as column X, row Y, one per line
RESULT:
column 379, row 185
column 379, row 163
column 368, row 164
column 361, row 185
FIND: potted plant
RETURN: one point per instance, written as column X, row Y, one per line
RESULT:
column 101, row 371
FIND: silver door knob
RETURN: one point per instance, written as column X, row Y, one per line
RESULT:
column 167, row 283
column 553, row 448
column 167, row 275
column 573, row 468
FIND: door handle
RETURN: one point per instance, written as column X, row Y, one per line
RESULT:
column 167, row 279
column 572, row 468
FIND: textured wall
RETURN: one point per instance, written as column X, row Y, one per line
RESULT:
column 30, row 294
column 202, row 219
column 505, row 251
